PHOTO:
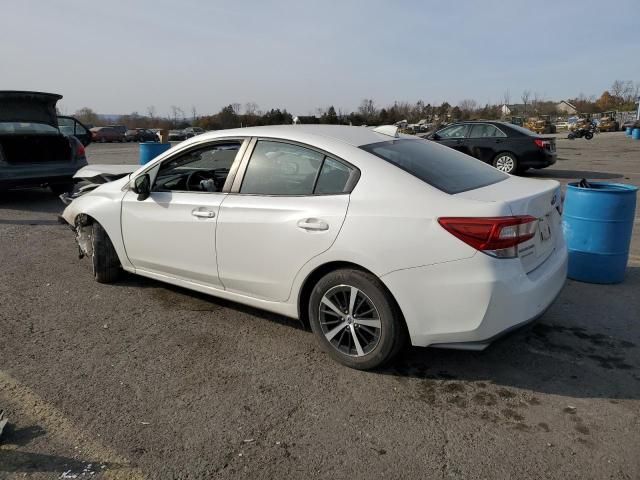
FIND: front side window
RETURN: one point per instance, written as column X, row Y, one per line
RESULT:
column 485, row 130
column 454, row 131
column 201, row 170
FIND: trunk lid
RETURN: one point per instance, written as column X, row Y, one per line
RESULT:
column 538, row 198
column 29, row 107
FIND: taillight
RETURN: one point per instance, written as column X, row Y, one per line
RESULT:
column 542, row 143
column 80, row 151
column 495, row 236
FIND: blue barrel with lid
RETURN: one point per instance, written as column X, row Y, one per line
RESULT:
column 635, row 134
column 597, row 223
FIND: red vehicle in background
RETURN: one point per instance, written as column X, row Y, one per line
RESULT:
column 106, row 134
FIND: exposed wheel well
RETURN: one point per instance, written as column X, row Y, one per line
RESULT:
column 321, row 271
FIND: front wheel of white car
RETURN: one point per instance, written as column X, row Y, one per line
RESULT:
column 104, row 259
column 355, row 319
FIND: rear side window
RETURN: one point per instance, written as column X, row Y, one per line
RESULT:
column 278, row 168
column 444, row 168
column 485, row 130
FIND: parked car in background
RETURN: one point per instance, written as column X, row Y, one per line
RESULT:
column 369, row 236
column 192, row 131
column 71, row 126
column 630, row 124
column 119, row 128
column 177, row 135
column 508, row 147
column 33, row 149
column 106, row 134
column 140, row 135
column 562, row 125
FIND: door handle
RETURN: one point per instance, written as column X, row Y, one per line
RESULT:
column 203, row 213
column 313, row 224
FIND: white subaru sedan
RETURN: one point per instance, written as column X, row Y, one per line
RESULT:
column 371, row 238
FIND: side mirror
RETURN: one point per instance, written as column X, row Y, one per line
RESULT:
column 435, row 136
column 142, row 186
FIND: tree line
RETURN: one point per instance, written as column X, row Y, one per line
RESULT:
column 621, row 96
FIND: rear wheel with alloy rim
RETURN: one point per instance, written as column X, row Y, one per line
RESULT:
column 355, row 319
column 506, row 162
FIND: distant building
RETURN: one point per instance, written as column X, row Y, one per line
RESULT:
column 505, row 110
column 566, row 107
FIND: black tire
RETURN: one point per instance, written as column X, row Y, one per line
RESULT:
column 391, row 334
column 104, row 259
column 588, row 135
column 506, row 162
column 60, row 188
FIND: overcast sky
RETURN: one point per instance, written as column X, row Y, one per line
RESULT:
column 122, row 56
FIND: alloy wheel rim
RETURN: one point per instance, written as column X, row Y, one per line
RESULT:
column 349, row 320
column 505, row 164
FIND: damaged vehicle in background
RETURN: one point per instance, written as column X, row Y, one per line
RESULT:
column 368, row 236
column 34, row 150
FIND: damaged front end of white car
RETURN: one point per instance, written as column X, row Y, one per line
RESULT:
column 92, row 176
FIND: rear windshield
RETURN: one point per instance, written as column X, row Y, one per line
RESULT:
column 441, row 167
column 27, row 127
column 522, row 130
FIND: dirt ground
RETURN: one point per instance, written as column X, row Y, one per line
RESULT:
column 144, row 380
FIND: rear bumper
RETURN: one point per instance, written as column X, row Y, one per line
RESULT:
column 541, row 159
column 38, row 173
column 468, row 303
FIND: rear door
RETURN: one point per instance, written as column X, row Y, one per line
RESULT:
column 287, row 205
column 71, row 126
column 484, row 141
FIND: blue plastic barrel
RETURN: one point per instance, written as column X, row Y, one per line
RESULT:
column 150, row 150
column 628, row 131
column 597, row 225
column 635, row 134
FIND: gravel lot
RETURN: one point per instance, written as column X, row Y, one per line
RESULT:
column 144, row 380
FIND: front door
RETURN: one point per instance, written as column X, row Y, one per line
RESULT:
column 289, row 208
column 173, row 231
column 453, row 137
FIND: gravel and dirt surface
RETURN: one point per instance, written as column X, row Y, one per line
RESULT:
column 143, row 380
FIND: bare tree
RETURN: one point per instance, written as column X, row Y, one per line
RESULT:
column 367, row 109
column 617, row 88
column 525, row 99
column 250, row 108
column 506, row 97
column 151, row 112
column 236, row 108
column 194, row 113
column 536, row 101
column 468, row 105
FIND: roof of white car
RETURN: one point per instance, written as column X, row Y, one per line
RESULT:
column 355, row 136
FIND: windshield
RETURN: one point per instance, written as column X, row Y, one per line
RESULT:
column 25, row 127
column 444, row 168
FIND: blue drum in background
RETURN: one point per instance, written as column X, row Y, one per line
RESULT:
column 150, row 150
column 628, row 131
column 597, row 224
column 635, row 134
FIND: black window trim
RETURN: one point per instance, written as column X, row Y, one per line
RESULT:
column 242, row 169
column 244, row 143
